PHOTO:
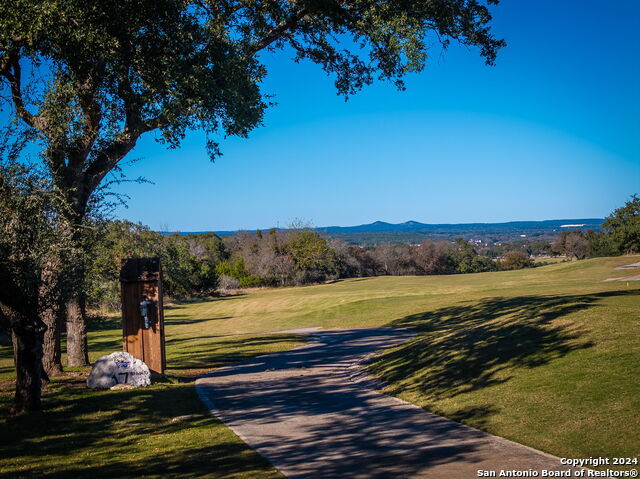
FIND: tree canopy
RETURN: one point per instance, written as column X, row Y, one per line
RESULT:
column 623, row 226
column 112, row 71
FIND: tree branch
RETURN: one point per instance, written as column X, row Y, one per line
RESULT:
column 11, row 70
column 279, row 30
column 109, row 157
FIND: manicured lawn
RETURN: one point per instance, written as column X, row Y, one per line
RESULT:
column 125, row 434
column 547, row 357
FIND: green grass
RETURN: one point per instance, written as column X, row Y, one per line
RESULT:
column 546, row 356
column 125, row 434
column 550, row 260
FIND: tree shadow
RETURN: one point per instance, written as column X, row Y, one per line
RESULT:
column 478, row 344
column 98, row 322
column 108, row 442
column 340, row 428
column 186, row 302
column 207, row 356
column 183, row 319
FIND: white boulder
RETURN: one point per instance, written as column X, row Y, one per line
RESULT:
column 118, row 368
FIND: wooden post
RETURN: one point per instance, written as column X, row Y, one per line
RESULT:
column 140, row 280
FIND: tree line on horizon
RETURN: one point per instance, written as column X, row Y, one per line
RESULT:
column 197, row 265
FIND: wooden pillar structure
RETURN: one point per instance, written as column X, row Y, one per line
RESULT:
column 142, row 311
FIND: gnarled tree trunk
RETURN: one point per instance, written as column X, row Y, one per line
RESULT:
column 51, row 351
column 52, row 295
column 27, row 339
column 77, row 348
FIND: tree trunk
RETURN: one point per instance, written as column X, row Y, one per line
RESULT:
column 52, row 357
column 52, row 296
column 77, row 348
column 27, row 354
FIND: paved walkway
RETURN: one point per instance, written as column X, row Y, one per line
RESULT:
column 629, row 266
column 313, row 414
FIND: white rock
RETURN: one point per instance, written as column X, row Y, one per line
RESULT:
column 186, row 417
column 120, row 387
column 118, row 368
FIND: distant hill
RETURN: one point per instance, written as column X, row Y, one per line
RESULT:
column 512, row 226
column 414, row 231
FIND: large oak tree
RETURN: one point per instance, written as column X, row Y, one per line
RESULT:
column 92, row 77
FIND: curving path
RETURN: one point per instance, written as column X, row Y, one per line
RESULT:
column 313, row 414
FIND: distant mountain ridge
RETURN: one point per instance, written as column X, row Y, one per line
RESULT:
column 449, row 228
column 416, row 226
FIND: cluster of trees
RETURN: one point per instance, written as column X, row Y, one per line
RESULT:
column 189, row 262
column 35, row 250
column 203, row 263
column 196, row 265
column 620, row 235
column 296, row 257
column 532, row 247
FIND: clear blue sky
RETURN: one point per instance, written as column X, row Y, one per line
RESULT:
column 552, row 131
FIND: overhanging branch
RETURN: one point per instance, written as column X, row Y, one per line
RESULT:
column 279, row 30
column 11, row 70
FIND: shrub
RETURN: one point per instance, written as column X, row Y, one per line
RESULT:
column 226, row 283
column 516, row 260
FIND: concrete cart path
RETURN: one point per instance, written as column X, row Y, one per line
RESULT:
column 313, row 414
column 629, row 266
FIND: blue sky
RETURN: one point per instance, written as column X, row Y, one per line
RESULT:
column 552, row 131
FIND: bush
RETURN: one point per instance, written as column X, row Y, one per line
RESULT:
column 236, row 269
column 225, row 283
column 516, row 260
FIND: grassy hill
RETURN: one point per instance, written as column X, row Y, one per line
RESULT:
column 547, row 357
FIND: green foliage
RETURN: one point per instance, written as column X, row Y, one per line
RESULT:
column 236, row 269
column 601, row 244
column 31, row 238
column 516, row 260
column 113, row 71
column 482, row 264
column 34, row 257
column 181, row 268
column 623, row 227
column 463, row 255
column 189, row 262
column 117, row 241
column 465, row 258
column 310, row 252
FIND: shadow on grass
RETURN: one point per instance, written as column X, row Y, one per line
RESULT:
column 207, row 356
column 106, row 433
column 478, row 344
column 6, row 352
column 103, row 323
column 185, row 302
column 183, row 319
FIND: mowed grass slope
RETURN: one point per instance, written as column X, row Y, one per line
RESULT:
column 548, row 357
